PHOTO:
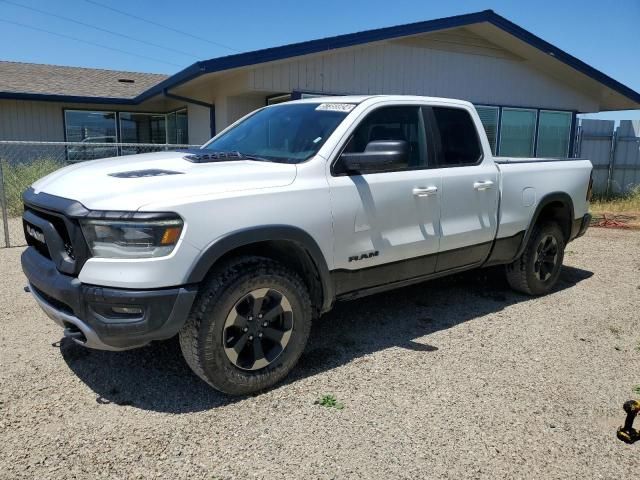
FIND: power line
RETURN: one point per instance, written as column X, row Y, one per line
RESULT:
column 95, row 27
column 88, row 42
column 142, row 19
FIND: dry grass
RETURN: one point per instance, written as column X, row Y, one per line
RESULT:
column 628, row 203
column 617, row 210
column 19, row 176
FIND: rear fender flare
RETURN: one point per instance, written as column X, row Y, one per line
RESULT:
column 549, row 198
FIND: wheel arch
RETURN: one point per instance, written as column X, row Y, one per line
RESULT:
column 556, row 206
column 290, row 245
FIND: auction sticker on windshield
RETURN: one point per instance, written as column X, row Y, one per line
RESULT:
column 336, row 107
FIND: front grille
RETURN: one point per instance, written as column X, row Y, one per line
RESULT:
column 58, row 223
column 64, row 244
column 32, row 242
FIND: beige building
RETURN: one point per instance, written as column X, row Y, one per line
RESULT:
column 527, row 91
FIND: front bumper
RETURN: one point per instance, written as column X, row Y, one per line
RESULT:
column 86, row 311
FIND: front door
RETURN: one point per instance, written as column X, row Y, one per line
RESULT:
column 386, row 225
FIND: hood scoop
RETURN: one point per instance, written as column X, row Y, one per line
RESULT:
column 151, row 172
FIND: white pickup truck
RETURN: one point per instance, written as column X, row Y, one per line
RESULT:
column 237, row 246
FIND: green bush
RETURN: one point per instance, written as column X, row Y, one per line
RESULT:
column 18, row 177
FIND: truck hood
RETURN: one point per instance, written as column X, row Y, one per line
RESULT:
column 129, row 182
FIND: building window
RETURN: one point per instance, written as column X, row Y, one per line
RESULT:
column 86, row 126
column 275, row 99
column 518, row 132
column 554, row 134
column 296, row 95
column 143, row 128
column 126, row 127
column 178, row 127
column 489, row 117
column 90, row 127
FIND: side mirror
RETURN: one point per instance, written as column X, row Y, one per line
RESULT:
column 378, row 156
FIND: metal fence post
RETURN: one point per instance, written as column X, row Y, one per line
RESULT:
column 612, row 157
column 3, row 201
column 577, row 146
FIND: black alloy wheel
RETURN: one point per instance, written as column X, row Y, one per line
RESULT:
column 257, row 329
column 546, row 259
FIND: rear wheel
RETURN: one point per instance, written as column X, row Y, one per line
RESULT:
column 538, row 268
column 248, row 327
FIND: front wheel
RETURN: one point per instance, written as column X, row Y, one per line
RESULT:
column 538, row 268
column 248, row 327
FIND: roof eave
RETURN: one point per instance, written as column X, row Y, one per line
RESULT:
column 563, row 56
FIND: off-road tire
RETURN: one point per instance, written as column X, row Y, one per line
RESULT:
column 521, row 274
column 201, row 338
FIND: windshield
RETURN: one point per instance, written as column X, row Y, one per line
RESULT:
column 289, row 133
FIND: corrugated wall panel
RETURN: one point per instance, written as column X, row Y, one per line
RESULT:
column 626, row 171
column 596, row 146
column 27, row 120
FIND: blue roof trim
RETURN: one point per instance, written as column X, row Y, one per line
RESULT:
column 349, row 40
column 67, row 98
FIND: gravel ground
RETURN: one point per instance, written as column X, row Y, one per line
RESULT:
column 458, row 378
column 16, row 233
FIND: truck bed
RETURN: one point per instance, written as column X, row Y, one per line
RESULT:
column 503, row 160
column 525, row 181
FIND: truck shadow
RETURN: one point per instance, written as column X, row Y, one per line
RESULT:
column 157, row 378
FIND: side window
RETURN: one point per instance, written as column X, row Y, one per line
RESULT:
column 393, row 123
column 456, row 138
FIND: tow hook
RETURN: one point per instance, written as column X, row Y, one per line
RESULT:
column 627, row 433
column 74, row 333
column 27, row 289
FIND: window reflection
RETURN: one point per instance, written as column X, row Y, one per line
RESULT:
column 102, row 127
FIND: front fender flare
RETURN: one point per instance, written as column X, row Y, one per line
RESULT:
column 240, row 238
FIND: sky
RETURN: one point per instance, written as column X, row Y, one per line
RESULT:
column 606, row 35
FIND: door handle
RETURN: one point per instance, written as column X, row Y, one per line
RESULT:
column 425, row 191
column 486, row 185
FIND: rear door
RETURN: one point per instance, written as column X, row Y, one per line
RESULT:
column 470, row 189
column 386, row 225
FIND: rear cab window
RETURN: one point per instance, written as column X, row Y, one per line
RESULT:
column 454, row 135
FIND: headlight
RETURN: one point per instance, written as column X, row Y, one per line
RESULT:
column 131, row 238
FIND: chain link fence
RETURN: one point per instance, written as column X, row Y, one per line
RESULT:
column 22, row 163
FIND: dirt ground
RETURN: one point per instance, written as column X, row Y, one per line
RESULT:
column 457, row 378
column 630, row 220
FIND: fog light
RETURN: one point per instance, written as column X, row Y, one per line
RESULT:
column 127, row 310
